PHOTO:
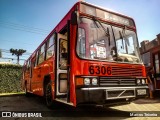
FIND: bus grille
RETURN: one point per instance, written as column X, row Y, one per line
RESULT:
column 120, row 94
column 127, row 71
column 109, row 81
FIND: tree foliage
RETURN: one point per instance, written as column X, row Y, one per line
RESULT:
column 17, row 52
column 10, row 78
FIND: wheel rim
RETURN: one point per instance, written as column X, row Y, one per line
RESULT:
column 48, row 95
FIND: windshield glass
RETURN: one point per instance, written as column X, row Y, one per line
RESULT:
column 99, row 41
column 126, row 43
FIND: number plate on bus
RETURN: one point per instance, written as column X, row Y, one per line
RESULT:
column 100, row 70
column 141, row 92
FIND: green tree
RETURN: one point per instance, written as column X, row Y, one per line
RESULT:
column 17, row 52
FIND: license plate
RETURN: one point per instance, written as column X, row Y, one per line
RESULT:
column 141, row 92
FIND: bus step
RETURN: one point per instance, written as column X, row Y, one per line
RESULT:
column 63, row 100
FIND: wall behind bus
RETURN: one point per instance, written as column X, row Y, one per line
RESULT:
column 10, row 78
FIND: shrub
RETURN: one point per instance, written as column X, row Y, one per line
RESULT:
column 10, row 78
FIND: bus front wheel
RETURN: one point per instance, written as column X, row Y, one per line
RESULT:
column 48, row 95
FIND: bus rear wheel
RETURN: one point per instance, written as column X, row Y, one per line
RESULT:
column 27, row 94
column 48, row 95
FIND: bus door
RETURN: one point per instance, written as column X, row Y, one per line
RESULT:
column 156, row 60
column 61, row 67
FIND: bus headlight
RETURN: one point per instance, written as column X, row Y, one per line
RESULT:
column 143, row 81
column 86, row 81
column 94, row 81
column 138, row 81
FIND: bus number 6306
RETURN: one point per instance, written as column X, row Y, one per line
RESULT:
column 104, row 70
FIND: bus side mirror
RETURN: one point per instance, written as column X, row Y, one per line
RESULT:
column 74, row 18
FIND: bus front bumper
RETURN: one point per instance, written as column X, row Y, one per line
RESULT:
column 103, row 95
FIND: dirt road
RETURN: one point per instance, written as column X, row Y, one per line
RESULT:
column 23, row 106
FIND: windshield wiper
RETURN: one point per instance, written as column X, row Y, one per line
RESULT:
column 116, row 53
column 124, row 36
column 108, row 36
column 121, row 37
column 105, row 30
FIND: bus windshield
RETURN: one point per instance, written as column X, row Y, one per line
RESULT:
column 100, row 41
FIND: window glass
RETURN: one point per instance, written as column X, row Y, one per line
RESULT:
column 127, row 46
column 42, row 49
column 41, row 54
column 37, row 56
column 100, row 41
column 41, row 58
column 50, row 47
column 81, row 48
column 50, row 52
column 93, row 43
column 28, row 65
column 63, row 54
column 34, row 60
column 24, row 67
column 51, row 40
column 157, row 64
column 46, row 51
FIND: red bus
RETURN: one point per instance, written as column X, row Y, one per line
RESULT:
column 90, row 57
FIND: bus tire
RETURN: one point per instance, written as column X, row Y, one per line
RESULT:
column 48, row 95
column 27, row 94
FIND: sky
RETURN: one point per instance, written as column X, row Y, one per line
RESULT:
column 24, row 24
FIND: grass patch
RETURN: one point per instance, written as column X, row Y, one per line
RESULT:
column 8, row 94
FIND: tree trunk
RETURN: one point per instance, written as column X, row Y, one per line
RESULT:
column 18, row 59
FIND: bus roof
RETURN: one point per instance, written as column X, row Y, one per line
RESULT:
column 106, row 9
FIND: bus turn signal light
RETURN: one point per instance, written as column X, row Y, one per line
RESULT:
column 79, row 81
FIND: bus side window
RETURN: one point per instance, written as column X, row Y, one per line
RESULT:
column 25, row 67
column 41, row 54
column 28, row 66
column 50, row 47
column 81, row 45
column 37, row 56
column 33, row 61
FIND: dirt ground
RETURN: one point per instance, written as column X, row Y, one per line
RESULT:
column 34, row 104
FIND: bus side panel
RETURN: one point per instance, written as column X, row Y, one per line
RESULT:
column 44, row 69
column 34, row 79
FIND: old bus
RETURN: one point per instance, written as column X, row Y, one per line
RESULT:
column 91, row 56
